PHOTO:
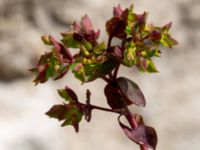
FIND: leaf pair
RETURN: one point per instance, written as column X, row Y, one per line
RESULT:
column 122, row 93
column 141, row 134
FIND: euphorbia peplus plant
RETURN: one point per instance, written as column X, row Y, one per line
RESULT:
column 139, row 43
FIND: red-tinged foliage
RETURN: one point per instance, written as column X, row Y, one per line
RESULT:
column 114, row 98
column 131, row 91
column 143, row 135
column 139, row 44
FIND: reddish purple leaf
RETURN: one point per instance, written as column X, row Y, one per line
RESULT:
column 141, row 18
column 92, row 35
column 155, row 36
column 71, row 93
column 117, row 11
column 57, row 111
column 141, row 134
column 68, row 94
column 76, row 26
column 167, row 26
column 114, row 98
column 131, row 91
column 86, row 23
column 62, row 51
column 62, row 73
column 118, row 52
column 42, row 73
column 85, row 29
column 116, row 27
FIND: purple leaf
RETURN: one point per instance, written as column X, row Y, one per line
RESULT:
column 117, row 11
column 114, row 98
column 116, row 27
column 86, row 23
column 76, row 26
column 118, row 52
column 57, row 111
column 167, row 26
column 42, row 73
column 141, row 134
column 68, row 94
column 62, row 51
column 85, row 29
column 131, row 91
column 71, row 93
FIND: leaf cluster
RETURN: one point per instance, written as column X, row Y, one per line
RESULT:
column 139, row 43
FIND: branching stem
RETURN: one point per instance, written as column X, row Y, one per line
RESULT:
column 100, row 108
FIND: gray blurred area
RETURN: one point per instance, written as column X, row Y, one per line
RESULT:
column 173, row 95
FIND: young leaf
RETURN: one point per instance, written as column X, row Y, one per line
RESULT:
column 68, row 94
column 151, row 68
column 69, row 41
column 100, row 48
column 46, row 40
column 131, row 91
column 117, row 11
column 167, row 40
column 130, row 55
column 116, row 27
column 61, row 51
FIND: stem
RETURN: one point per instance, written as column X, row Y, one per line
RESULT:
column 116, row 71
column 143, row 148
column 104, row 109
column 108, row 46
column 100, row 108
column 110, row 76
column 109, row 41
column 133, row 124
column 106, row 79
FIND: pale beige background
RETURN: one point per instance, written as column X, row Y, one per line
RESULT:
column 173, row 95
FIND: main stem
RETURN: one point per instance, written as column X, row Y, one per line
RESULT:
column 128, row 115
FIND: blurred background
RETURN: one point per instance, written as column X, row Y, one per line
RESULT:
column 173, row 104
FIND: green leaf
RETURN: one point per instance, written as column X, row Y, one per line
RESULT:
column 87, row 44
column 151, row 53
column 100, row 48
column 167, row 40
column 130, row 55
column 69, row 113
column 68, row 94
column 84, row 51
column 93, row 71
column 69, row 41
column 90, row 71
column 151, row 68
column 130, row 20
column 72, row 66
column 46, row 40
